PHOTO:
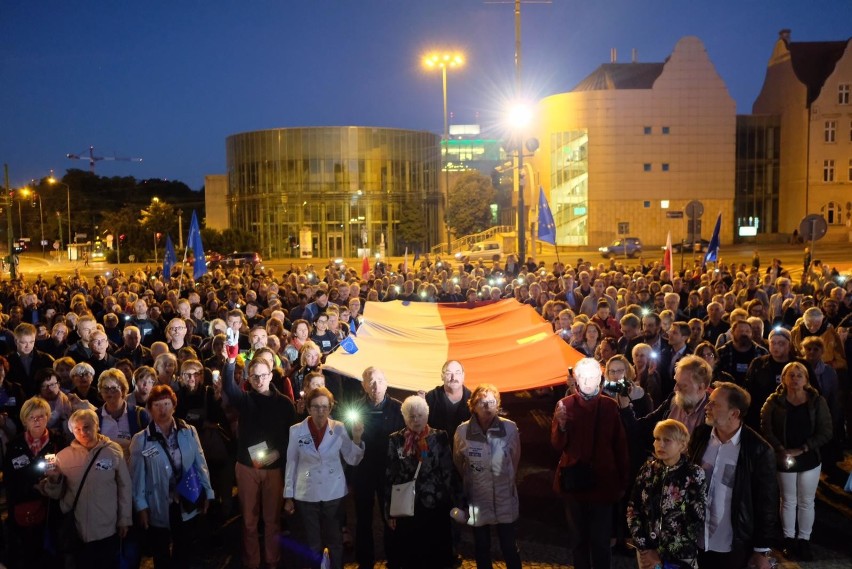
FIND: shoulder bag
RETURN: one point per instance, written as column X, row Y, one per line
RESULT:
column 403, row 496
column 69, row 538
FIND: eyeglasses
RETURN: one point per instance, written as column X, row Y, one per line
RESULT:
column 260, row 376
column 487, row 403
column 320, row 407
column 50, row 385
column 192, row 373
column 39, row 418
column 110, row 388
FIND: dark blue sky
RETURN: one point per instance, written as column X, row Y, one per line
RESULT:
column 169, row 80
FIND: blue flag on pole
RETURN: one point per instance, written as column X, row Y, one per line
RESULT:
column 713, row 248
column 199, row 265
column 546, row 226
column 169, row 259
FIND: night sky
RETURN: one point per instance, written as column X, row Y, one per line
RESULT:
column 167, row 81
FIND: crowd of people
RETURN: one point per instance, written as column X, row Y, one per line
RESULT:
column 137, row 414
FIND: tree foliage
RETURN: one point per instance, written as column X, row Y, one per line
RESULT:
column 469, row 207
column 412, row 226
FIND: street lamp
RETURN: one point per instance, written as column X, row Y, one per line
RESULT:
column 51, row 180
column 520, row 117
column 37, row 196
column 24, row 192
column 444, row 61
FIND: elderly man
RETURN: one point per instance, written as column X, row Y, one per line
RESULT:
column 132, row 348
column 448, row 402
column 100, row 360
column 381, row 415
column 742, row 506
column 714, row 326
column 594, row 465
column 25, row 362
column 692, row 382
column 814, row 324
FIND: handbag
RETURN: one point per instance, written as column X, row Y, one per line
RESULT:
column 69, row 538
column 403, row 496
column 580, row 476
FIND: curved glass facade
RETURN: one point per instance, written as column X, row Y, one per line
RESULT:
column 345, row 185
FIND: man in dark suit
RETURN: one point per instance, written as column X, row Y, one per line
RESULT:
column 742, row 520
column 25, row 362
column 448, row 402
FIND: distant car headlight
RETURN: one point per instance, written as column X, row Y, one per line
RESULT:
column 603, row 249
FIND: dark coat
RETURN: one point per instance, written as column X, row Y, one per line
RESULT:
column 755, row 500
column 24, row 379
column 438, row 416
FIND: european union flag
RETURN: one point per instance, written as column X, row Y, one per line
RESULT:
column 348, row 345
column 170, row 259
column 199, row 266
column 713, row 248
column 190, row 485
column 546, row 226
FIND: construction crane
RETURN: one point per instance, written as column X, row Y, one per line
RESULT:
column 92, row 158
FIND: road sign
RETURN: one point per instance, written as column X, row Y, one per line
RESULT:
column 813, row 227
column 694, row 209
column 674, row 215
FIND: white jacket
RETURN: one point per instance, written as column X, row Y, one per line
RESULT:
column 316, row 474
column 488, row 464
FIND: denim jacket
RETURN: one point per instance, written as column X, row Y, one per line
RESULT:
column 150, row 470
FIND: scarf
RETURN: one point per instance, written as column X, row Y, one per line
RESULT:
column 415, row 443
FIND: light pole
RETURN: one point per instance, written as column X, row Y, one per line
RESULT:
column 444, row 61
column 13, row 267
column 37, row 196
column 25, row 192
column 51, row 180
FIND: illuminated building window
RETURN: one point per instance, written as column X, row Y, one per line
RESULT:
column 832, row 213
column 664, row 204
column 843, row 94
column 828, row 170
column 830, row 131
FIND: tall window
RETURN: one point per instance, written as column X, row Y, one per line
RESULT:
column 843, row 94
column 850, row 170
column 832, row 213
column 830, row 131
column 828, row 170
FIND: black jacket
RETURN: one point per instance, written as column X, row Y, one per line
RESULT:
column 439, row 418
column 755, row 499
column 24, row 379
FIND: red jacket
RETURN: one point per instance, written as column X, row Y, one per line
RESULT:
column 607, row 451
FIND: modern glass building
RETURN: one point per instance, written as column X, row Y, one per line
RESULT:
column 332, row 191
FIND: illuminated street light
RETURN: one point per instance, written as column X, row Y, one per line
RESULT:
column 53, row 181
column 519, row 118
column 445, row 61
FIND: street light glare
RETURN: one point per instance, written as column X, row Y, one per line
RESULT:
column 444, row 59
column 520, row 116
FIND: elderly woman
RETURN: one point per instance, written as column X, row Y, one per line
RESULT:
column 707, row 352
column 82, row 377
column 436, row 486
column 666, row 510
column 167, row 367
column 647, row 376
column 103, row 513
column 315, row 483
column 796, row 421
column 487, row 450
column 23, row 467
column 118, row 420
column 171, row 484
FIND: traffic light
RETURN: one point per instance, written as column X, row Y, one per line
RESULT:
column 121, row 238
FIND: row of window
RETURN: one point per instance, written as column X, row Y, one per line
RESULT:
column 829, row 171
column 648, row 167
column 650, row 130
column 830, row 131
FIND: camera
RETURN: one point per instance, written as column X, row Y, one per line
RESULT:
column 620, row 387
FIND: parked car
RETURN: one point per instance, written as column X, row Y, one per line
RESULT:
column 236, row 259
column 629, row 245
column 697, row 246
column 484, row 250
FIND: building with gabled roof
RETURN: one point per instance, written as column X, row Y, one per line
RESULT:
column 808, row 88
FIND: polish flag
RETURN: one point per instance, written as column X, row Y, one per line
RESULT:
column 365, row 267
column 506, row 343
column 667, row 255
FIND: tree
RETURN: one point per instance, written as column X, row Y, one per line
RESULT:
column 412, row 226
column 469, row 207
